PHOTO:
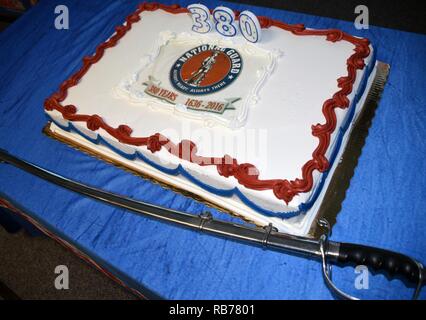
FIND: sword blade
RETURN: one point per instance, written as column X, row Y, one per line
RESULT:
column 253, row 235
column 391, row 263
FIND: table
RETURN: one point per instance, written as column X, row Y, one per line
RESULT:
column 384, row 205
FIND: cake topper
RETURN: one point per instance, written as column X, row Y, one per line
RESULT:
column 225, row 22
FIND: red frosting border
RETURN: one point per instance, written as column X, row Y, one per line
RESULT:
column 245, row 173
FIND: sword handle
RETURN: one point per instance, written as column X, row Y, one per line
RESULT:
column 392, row 264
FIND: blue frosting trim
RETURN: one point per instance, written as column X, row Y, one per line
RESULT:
column 342, row 130
column 179, row 170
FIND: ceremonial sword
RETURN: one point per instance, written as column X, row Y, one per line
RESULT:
column 392, row 264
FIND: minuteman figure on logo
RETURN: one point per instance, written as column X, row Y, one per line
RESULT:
column 205, row 69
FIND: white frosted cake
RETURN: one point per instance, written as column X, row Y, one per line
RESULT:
column 249, row 113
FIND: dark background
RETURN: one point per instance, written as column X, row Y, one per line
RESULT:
column 407, row 15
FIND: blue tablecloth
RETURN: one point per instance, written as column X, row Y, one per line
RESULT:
column 384, row 205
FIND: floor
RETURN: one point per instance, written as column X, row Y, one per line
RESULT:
column 27, row 271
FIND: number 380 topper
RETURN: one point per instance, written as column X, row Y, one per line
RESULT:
column 224, row 22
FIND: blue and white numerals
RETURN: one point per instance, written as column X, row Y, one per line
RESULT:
column 224, row 21
column 250, row 26
column 201, row 18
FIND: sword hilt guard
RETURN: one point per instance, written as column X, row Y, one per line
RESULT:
column 391, row 264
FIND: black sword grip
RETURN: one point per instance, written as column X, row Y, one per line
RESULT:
column 392, row 264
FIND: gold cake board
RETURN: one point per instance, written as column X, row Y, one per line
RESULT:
column 336, row 191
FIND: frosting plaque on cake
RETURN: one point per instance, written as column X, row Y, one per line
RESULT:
column 206, row 78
